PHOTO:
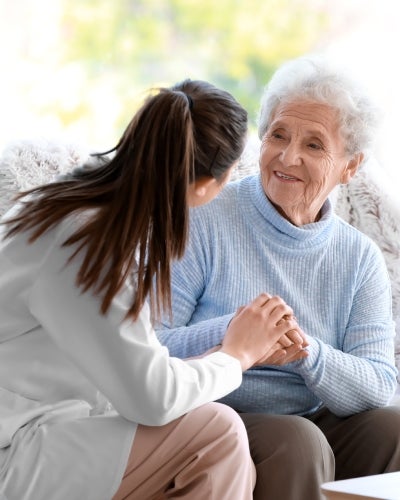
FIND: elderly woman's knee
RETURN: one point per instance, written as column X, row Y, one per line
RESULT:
column 383, row 423
column 307, row 440
column 288, row 438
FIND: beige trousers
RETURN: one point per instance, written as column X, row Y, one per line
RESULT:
column 203, row 455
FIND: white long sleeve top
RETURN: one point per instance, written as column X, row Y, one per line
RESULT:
column 74, row 384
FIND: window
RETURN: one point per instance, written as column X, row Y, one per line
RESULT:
column 79, row 68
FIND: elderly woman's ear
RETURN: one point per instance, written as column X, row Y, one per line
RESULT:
column 351, row 168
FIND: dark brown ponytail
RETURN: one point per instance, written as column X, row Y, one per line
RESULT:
column 139, row 194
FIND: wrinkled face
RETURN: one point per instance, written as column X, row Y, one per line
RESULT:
column 303, row 158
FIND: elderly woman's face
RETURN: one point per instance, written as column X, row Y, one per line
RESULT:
column 303, row 158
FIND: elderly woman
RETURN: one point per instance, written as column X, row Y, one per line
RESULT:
column 319, row 413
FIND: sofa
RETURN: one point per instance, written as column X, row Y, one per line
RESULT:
column 368, row 202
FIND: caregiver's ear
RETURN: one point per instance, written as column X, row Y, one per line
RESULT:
column 351, row 168
column 203, row 190
column 202, row 185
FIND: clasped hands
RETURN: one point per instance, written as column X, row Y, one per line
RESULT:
column 265, row 331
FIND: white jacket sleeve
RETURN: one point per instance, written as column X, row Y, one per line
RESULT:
column 122, row 358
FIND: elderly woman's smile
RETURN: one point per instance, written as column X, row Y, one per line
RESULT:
column 286, row 178
column 303, row 158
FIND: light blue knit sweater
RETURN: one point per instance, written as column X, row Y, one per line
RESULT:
column 333, row 277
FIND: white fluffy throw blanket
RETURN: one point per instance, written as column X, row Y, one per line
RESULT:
column 367, row 203
column 29, row 163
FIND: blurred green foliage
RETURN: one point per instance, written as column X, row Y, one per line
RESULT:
column 135, row 44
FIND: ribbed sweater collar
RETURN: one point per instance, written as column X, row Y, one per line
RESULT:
column 251, row 191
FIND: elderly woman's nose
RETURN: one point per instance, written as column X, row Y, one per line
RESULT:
column 290, row 155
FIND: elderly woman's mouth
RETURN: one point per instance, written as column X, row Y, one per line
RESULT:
column 285, row 177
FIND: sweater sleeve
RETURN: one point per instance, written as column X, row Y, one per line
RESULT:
column 184, row 334
column 123, row 358
column 338, row 375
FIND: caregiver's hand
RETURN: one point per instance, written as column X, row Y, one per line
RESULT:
column 256, row 328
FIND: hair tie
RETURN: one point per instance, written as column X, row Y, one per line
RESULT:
column 190, row 101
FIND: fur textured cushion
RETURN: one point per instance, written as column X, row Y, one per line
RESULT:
column 29, row 163
column 367, row 202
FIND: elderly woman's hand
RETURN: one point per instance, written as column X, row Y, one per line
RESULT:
column 256, row 328
column 290, row 347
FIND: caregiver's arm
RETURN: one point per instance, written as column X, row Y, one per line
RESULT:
column 123, row 358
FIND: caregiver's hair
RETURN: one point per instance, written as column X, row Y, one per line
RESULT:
column 316, row 79
column 137, row 197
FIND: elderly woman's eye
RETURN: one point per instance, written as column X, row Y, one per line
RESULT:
column 314, row 145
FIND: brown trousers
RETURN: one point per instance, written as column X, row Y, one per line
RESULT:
column 203, row 455
column 295, row 455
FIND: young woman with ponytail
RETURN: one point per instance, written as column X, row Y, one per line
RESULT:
column 91, row 405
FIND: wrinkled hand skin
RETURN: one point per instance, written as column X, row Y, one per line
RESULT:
column 290, row 347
